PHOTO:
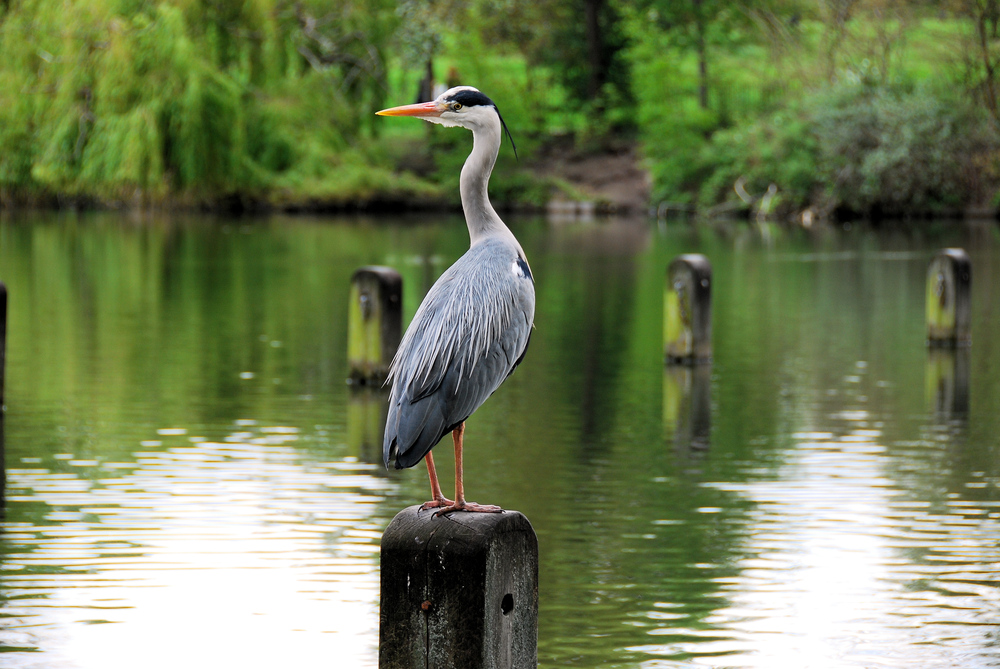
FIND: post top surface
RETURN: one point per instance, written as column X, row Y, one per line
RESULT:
column 957, row 258
column 382, row 272
column 954, row 252
column 695, row 261
column 413, row 529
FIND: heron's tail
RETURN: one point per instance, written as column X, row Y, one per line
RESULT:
column 412, row 430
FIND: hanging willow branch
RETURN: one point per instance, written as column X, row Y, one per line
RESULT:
column 324, row 50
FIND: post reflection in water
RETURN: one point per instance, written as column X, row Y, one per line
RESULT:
column 948, row 381
column 185, row 461
column 367, row 411
column 687, row 406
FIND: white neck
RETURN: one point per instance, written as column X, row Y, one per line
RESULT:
column 482, row 219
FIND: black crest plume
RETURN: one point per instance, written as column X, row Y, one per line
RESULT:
column 477, row 99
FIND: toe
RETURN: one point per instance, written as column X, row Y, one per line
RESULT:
column 437, row 504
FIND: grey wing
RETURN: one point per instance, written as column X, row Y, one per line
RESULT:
column 467, row 337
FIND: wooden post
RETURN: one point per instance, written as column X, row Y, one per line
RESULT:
column 459, row 591
column 949, row 307
column 3, row 341
column 3, row 408
column 947, row 381
column 3, row 471
column 687, row 406
column 687, row 310
column 367, row 411
column 374, row 323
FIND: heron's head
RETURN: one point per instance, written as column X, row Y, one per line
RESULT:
column 463, row 106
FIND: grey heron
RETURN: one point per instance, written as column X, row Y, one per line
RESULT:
column 473, row 326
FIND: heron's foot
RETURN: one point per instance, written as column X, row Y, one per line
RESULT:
column 440, row 502
column 468, row 506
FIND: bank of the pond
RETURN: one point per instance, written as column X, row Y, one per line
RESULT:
column 799, row 114
column 752, row 172
column 609, row 180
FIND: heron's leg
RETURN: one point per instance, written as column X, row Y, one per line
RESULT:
column 460, row 504
column 439, row 498
column 457, row 436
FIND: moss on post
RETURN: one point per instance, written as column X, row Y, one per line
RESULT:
column 374, row 323
column 949, row 307
column 687, row 310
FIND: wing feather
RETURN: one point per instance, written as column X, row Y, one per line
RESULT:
column 459, row 348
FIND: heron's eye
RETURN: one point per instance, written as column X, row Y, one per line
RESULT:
column 456, row 106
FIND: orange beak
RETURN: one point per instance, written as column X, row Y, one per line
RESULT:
column 420, row 110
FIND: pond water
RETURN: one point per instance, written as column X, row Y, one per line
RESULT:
column 190, row 481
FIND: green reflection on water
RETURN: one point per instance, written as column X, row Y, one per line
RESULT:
column 157, row 336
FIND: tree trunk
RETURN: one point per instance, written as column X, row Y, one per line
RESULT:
column 989, row 66
column 595, row 48
column 425, row 90
column 699, row 20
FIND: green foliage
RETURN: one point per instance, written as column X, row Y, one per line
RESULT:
column 194, row 102
column 119, row 100
column 780, row 148
column 671, row 123
column 600, row 80
column 529, row 100
column 898, row 151
column 887, row 135
column 674, row 126
column 890, row 150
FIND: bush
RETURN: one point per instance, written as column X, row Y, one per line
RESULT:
column 898, row 150
column 780, row 148
column 890, row 150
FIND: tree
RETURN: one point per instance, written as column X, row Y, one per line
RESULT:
column 688, row 24
column 981, row 53
column 585, row 49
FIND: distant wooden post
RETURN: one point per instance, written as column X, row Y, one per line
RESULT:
column 949, row 307
column 3, row 469
column 3, row 341
column 3, row 364
column 459, row 591
column 367, row 411
column 687, row 310
column 374, row 323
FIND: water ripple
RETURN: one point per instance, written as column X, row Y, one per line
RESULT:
column 241, row 537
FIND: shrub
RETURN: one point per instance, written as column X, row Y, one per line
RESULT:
column 780, row 148
column 872, row 149
column 898, row 150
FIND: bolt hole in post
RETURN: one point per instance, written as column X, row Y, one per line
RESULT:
column 507, row 604
column 366, row 306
